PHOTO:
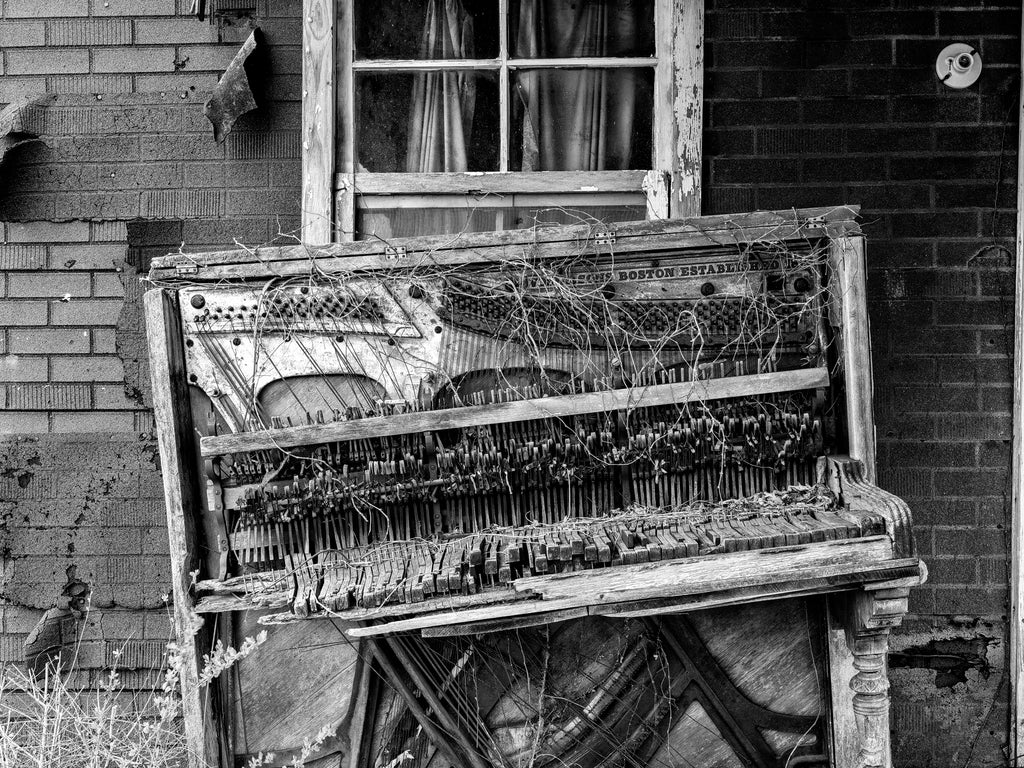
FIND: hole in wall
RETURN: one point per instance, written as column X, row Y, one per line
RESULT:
column 147, row 239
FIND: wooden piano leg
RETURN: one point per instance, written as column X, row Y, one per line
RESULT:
column 870, row 687
column 872, row 615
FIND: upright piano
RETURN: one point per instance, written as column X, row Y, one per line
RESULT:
column 589, row 495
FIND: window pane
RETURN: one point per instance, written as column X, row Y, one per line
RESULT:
column 426, row 29
column 572, row 28
column 387, row 223
column 427, row 122
column 595, row 215
column 582, row 119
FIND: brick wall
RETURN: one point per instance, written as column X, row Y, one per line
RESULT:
column 808, row 103
column 100, row 523
column 819, row 102
column 127, row 168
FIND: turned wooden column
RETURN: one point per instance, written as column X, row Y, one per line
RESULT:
column 874, row 613
column 870, row 687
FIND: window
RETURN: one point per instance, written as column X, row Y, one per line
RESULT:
column 474, row 115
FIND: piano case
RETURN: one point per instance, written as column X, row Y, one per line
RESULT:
column 596, row 495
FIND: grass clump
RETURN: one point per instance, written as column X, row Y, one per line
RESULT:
column 47, row 722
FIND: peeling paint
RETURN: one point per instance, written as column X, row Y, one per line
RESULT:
column 951, row 658
column 950, row 693
column 130, row 338
column 65, row 524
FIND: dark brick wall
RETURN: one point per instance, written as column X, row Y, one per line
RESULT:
column 817, row 102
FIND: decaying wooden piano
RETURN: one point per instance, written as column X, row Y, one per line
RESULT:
column 585, row 495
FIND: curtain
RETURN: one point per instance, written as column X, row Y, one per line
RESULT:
column 441, row 110
column 576, row 119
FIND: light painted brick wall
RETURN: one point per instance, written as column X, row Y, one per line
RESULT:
column 126, row 169
column 119, row 46
column 57, row 312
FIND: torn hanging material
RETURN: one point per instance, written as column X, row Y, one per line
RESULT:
column 232, row 97
column 22, row 122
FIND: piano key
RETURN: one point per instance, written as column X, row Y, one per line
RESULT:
column 654, row 544
column 671, row 547
column 453, row 568
column 621, row 537
column 760, row 538
column 576, row 542
column 565, row 548
column 438, row 570
column 504, row 570
column 514, row 550
column 538, row 558
column 426, row 571
column 640, row 545
column 476, row 550
column 789, row 533
column 819, row 531
column 614, row 545
column 605, row 553
column 491, row 558
column 845, row 529
column 809, row 533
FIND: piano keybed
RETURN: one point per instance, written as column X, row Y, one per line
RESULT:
column 331, row 576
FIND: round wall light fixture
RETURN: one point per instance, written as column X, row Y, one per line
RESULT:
column 958, row 65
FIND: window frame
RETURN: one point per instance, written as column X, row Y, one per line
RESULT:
column 330, row 184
